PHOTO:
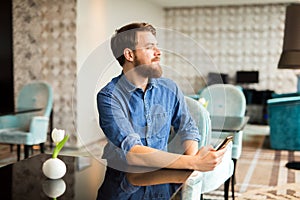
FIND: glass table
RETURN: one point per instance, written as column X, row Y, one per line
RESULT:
column 25, row 180
column 228, row 123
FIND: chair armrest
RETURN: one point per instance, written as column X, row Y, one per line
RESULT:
column 193, row 186
column 203, row 182
column 283, row 100
column 39, row 127
column 214, row 179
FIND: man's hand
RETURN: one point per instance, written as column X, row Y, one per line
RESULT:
column 207, row 158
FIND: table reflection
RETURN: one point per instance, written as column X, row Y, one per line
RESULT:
column 123, row 181
column 159, row 184
column 54, row 188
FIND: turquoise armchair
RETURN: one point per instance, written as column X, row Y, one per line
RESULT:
column 203, row 182
column 28, row 128
column 284, row 121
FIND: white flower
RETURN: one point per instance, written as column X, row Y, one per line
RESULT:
column 57, row 135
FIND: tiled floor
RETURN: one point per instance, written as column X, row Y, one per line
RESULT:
column 259, row 166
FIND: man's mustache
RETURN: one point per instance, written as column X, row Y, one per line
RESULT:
column 155, row 59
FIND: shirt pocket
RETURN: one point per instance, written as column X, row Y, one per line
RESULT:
column 160, row 124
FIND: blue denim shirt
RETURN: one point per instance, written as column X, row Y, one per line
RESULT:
column 128, row 116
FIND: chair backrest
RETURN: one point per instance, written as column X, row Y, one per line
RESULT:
column 224, row 100
column 34, row 95
column 201, row 117
column 202, row 120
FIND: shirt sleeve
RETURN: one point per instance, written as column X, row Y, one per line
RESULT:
column 115, row 124
column 182, row 121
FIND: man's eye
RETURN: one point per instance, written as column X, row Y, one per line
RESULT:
column 151, row 47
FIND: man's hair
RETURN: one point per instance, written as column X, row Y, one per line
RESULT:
column 125, row 37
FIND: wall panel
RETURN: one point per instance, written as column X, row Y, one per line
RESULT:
column 244, row 37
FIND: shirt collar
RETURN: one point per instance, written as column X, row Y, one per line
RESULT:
column 152, row 83
column 126, row 84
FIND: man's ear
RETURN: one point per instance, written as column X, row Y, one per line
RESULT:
column 128, row 53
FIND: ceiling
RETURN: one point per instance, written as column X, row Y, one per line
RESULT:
column 194, row 3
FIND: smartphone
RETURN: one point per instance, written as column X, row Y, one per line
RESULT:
column 225, row 142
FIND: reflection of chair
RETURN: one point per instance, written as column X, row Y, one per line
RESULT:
column 284, row 120
column 28, row 128
column 203, row 182
column 226, row 100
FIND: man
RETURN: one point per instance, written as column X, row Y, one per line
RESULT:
column 138, row 108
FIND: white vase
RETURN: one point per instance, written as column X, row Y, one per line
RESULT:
column 54, row 168
column 54, row 188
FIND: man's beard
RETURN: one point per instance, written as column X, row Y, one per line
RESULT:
column 148, row 71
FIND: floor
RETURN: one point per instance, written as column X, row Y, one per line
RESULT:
column 259, row 166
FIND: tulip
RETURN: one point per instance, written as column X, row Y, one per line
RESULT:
column 57, row 135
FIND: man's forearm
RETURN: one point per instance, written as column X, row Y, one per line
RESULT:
column 150, row 157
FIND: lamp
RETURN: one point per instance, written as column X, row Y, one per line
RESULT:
column 290, row 57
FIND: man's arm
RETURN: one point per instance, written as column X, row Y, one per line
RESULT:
column 190, row 147
column 206, row 159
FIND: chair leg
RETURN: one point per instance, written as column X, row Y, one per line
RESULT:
column 233, row 177
column 26, row 151
column 42, row 147
column 18, row 152
column 227, row 183
column 51, row 128
column 226, row 188
column 201, row 197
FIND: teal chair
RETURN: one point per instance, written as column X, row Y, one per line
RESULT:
column 201, row 117
column 284, row 121
column 29, row 128
column 200, row 183
column 226, row 100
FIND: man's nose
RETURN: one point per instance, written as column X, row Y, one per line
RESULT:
column 157, row 51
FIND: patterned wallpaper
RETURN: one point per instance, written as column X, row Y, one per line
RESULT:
column 247, row 37
column 45, row 49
